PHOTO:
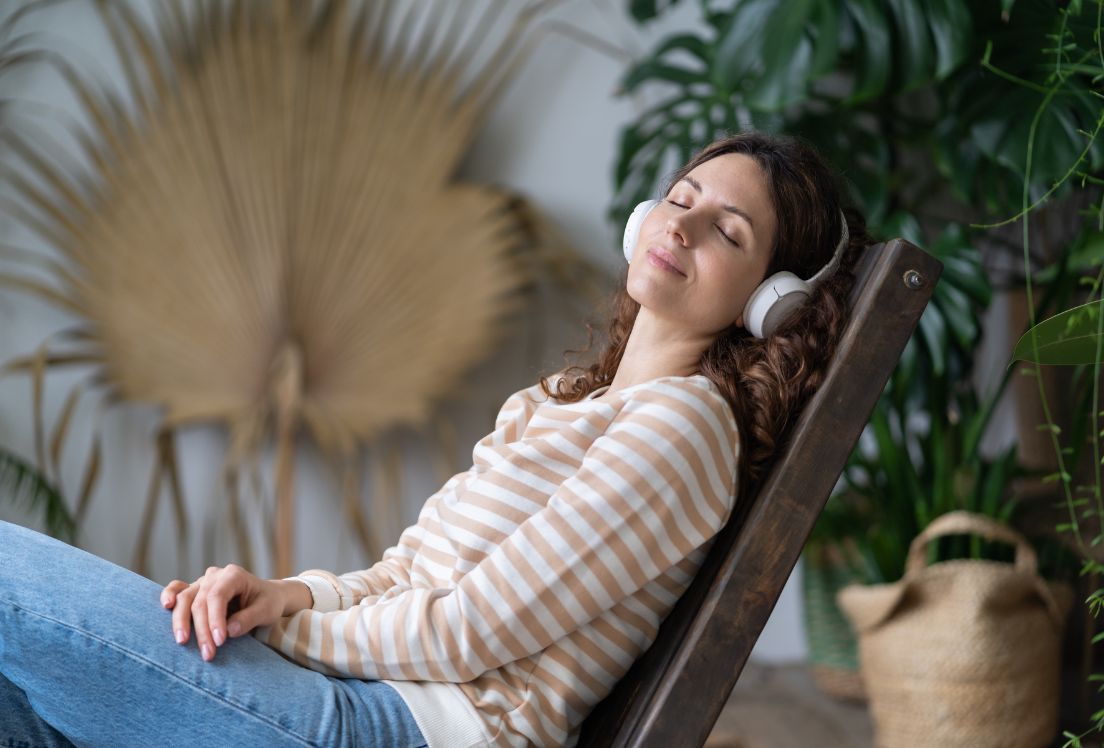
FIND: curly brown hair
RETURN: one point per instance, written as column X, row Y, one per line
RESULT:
column 766, row 381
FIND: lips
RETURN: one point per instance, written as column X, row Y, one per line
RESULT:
column 666, row 257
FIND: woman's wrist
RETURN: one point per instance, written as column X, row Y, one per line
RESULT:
column 296, row 595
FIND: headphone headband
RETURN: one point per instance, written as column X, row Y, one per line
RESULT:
column 833, row 264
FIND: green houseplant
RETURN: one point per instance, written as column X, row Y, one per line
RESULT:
column 1074, row 337
column 917, row 100
column 22, row 484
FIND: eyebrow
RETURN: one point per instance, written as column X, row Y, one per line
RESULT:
column 729, row 208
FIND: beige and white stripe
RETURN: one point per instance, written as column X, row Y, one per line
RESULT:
column 534, row 579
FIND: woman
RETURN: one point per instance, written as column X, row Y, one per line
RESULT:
column 530, row 582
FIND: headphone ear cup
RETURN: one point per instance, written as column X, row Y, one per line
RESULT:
column 632, row 227
column 773, row 301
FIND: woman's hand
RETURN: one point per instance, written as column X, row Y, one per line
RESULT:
column 208, row 600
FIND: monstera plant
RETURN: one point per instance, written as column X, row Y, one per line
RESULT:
column 874, row 86
column 950, row 120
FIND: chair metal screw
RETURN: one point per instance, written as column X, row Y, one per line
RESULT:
column 913, row 279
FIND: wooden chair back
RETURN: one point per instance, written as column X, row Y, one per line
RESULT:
column 673, row 694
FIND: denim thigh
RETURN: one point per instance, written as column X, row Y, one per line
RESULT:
column 87, row 657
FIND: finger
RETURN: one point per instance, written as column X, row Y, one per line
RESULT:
column 226, row 586
column 200, row 625
column 182, row 612
column 241, row 620
column 172, row 589
column 238, row 624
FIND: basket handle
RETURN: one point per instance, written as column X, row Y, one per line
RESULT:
column 957, row 523
column 968, row 523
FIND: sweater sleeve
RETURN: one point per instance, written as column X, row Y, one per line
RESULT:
column 331, row 592
column 657, row 484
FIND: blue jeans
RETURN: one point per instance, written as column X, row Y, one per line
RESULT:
column 87, row 657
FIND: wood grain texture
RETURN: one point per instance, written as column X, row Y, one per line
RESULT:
column 673, row 694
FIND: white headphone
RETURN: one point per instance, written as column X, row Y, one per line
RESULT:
column 774, row 299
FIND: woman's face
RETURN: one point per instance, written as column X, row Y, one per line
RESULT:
column 717, row 225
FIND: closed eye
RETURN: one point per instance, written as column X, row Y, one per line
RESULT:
column 729, row 239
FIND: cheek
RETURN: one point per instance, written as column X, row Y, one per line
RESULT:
column 653, row 222
column 732, row 295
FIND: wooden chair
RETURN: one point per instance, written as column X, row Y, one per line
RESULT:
column 674, row 692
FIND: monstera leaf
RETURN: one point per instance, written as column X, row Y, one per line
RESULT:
column 758, row 58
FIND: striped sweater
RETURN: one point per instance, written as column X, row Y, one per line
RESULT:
column 532, row 581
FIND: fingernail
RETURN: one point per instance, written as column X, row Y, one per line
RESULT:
column 220, row 638
column 235, row 628
column 180, row 636
column 206, row 651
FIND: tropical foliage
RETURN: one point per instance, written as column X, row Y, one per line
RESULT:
column 952, row 121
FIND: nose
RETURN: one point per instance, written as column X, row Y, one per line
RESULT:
column 676, row 227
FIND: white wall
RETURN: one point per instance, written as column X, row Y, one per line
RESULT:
column 551, row 138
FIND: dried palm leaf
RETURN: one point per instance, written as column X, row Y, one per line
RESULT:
column 270, row 236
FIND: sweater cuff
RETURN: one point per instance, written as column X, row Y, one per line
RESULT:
column 324, row 593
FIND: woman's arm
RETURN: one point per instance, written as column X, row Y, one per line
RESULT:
column 656, row 486
column 332, row 591
column 215, row 602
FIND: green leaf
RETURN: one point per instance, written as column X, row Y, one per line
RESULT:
column 1001, row 132
column 1066, row 339
column 933, row 330
column 784, row 83
column 995, row 483
column 904, row 225
column 959, row 315
column 956, row 157
column 874, row 62
column 646, row 10
column 913, row 44
column 21, row 483
column 632, row 143
column 890, row 453
column 952, row 33
column 826, row 33
column 962, row 269
column 694, row 45
column 1086, row 254
column 642, row 10
column 941, row 492
column 787, row 57
column 739, row 45
column 651, row 70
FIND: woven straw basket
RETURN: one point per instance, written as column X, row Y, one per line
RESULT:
column 962, row 653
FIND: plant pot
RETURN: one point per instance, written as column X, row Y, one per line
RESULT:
column 833, row 647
